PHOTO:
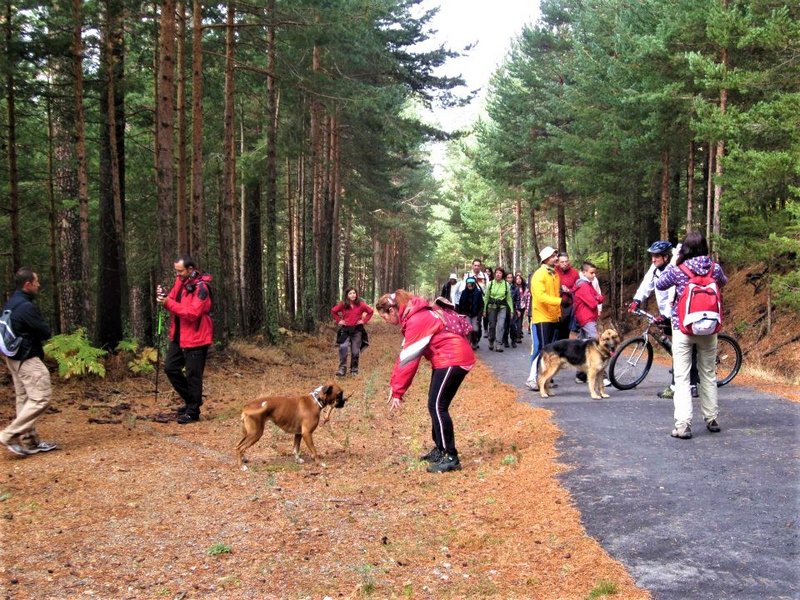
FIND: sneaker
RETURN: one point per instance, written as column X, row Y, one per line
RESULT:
column 445, row 464
column 341, row 372
column 532, row 386
column 580, row 378
column 42, row 447
column 499, row 348
column 513, row 344
column 353, row 371
column 505, row 344
column 17, row 449
column 606, row 382
column 683, row 432
column 713, row 426
column 491, row 345
column 693, row 389
column 180, row 411
column 187, row 418
column 434, row 456
column 666, row 393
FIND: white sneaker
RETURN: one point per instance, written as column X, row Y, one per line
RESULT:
column 532, row 386
column 606, row 381
column 43, row 447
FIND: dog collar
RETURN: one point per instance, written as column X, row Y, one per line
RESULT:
column 315, row 396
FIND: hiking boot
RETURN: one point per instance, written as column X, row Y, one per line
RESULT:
column 666, row 393
column 187, row 418
column 17, row 449
column 42, row 447
column 353, row 371
column 434, row 456
column 683, row 431
column 446, row 463
column 713, row 426
column 341, row 371
column 694, row 391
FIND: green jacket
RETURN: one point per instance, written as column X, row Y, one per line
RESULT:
column 497, row 292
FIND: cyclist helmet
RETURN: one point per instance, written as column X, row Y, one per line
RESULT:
column 660, row 247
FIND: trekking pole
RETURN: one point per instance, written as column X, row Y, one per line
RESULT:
column 159, row 327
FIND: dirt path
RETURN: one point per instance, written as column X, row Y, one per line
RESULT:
column 711, row 517
column 141, row 509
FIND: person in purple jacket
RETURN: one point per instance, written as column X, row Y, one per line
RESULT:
column 694, row 254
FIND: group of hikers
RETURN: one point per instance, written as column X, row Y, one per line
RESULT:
column 558, row 300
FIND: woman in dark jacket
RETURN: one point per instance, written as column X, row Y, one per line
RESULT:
column 470, row 304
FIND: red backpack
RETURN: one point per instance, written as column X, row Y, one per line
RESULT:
column 700, row 304
column 453, row 322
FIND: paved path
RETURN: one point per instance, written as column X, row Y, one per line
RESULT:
column 716, row 516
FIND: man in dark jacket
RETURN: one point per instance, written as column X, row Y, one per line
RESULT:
column 470, row 304
column 190, row 334
column 30, row 375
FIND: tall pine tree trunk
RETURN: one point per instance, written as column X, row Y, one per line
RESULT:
column 690, row 189
column 182, row 204
column 664, row 205
column 225, row 300
column 271, row 223
column 13, row 174
column 198, row 231
column 52, row 218
column 112, row 274
column 165, row 126
column 253, row 272
column 712, row 154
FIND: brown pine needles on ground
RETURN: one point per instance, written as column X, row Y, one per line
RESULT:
column 143, row 509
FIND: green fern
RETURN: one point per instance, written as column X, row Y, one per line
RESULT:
column 142, row 362
column 75, row 355
column 127, row 345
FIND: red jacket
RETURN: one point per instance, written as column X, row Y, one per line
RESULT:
column 351, row 314
column 191, row 311
column 586, row 300
column 423, row 335
column 568, row 278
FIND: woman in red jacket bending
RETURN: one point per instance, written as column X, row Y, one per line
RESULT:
column 451, row 358
column 351, row 314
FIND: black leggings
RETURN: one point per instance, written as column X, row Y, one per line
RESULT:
column 444, row 385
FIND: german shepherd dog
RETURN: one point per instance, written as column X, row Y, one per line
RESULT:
column 590, row 356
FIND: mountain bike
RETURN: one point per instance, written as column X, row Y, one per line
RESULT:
column 632, row 361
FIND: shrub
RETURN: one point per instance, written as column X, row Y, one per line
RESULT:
column 75, row 355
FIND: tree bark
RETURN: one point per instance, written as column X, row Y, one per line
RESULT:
column 112, row 274
column 690, row 189
column 562, row 223
column 226, row 215
column 664, row 205
column 52, row 218
column 165, row 125
column 253, row 273
column 271, row 223
column 198, row 232
column 13, row 173
column 712, row 151
column 182, row 204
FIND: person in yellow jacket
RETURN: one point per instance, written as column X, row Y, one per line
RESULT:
column 545, row 309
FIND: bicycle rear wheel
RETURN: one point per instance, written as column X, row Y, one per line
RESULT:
column 630, row 364
column 729, row 359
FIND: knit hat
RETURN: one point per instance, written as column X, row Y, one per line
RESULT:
column 471, row 280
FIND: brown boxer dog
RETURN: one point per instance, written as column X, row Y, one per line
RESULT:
column 294, row 414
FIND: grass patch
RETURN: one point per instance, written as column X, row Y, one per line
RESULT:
column 219, row 548
column 603, row 589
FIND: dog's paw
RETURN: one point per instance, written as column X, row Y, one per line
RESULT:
column 605, row 396
column 243, row 467
column 299, row 460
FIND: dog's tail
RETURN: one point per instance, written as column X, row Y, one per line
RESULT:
column 255, row 410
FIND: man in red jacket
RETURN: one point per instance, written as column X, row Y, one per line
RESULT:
column 190, row 334
column 568, row 276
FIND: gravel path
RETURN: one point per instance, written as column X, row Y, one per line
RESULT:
column 711, row 517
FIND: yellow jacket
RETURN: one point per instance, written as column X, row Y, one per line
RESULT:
column 545, row 296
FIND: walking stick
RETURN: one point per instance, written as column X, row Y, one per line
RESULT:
column 158, row 345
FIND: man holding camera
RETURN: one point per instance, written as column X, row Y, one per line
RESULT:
column 190, row 334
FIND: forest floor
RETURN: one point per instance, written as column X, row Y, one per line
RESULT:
column 134, row 505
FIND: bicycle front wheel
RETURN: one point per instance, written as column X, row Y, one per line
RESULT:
column 630, row 364
column 729, row 359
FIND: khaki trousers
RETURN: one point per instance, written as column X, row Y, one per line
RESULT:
column 706, row 345
column 32, row 386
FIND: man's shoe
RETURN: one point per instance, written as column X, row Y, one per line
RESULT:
column 42, row 447
column 434, row 456
column 341, row 372
column 187, row 418
column 445, row 464
column 666, row 393
column 694, row 391
column 713, row 426
column 683, row 432
column 17, row 449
